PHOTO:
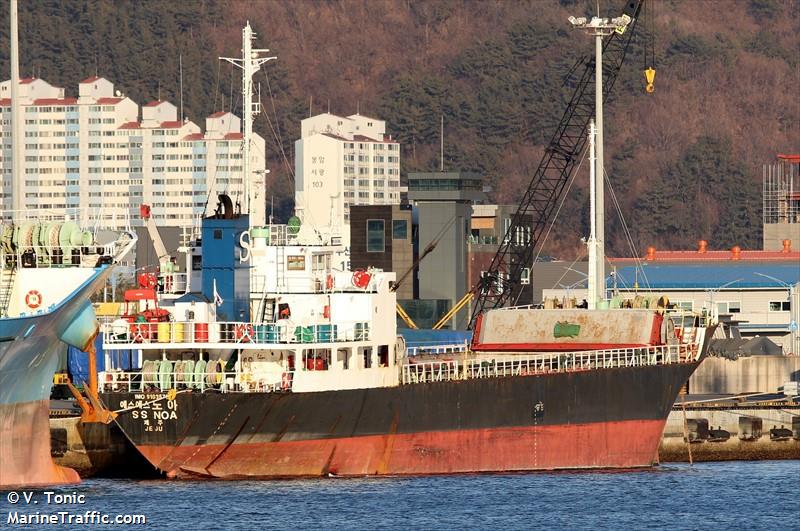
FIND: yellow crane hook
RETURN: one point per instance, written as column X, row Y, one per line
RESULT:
column 650, row 77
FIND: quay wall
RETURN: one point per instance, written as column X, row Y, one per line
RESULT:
column 673, row 447
column 752, row 374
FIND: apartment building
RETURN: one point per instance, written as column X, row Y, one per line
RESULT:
column 343, row 161
column 100, row 156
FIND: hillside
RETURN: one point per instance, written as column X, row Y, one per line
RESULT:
column 685, row 162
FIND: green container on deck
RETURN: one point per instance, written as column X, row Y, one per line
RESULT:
column 304, row 334
column 566, row 329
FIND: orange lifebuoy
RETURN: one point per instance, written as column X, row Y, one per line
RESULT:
column 33, row 299
column 361, row 278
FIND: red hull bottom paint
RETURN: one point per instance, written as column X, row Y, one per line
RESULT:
column 25, row 447
column 623, row 444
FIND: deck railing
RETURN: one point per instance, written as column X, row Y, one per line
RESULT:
column 443, row 348
column 137, row 335
column 158, row 381
column 551, row 362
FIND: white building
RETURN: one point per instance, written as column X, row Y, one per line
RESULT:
column 96, row 153
column 343, row 161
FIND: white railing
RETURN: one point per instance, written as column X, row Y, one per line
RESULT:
column 317, row 282
column 551, row 362
column 171, row 283
column 445, row 348
column 154, row 381
column 242, row 334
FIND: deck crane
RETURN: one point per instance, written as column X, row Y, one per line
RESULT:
column 165, row 264
column 152, row 230
column 502, row 284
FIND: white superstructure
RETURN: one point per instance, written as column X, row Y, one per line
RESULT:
column 103, row 153
column 342, row 161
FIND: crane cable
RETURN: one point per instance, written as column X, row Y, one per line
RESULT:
column 649, row 46
column 626, row 231
column 558, row 211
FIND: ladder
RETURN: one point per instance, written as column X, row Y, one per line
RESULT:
column 6, row 288
column 280, row 265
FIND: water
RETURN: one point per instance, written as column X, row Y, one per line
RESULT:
column 734, row 495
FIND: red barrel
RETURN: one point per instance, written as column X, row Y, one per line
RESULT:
column 201, row 332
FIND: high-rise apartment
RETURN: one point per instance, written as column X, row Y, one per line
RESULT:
column 342, row 161
column 100, row 154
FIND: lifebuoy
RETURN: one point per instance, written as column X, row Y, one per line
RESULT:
column 329, row 282
column 33, row 299
column 361, row 279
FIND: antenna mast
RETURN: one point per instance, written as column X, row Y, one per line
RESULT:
column 180, row 75
column 250, row 62
column 441, row 146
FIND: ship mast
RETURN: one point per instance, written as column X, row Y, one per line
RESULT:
column 254, row 199
column 17, row 175
column 595, row 290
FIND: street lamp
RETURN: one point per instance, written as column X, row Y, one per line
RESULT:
column 599, row 28
column 792, row 310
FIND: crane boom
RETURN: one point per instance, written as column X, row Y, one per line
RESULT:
column 152, row 230
column 501, row 284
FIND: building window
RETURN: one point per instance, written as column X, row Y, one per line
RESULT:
column 779, row 306
column 729, row 307
column 375, row 236
column 684, row 305
column 399, row 229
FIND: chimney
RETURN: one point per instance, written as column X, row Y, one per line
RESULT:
column 701, row 246
column 651, row 253
column 787, row 246
column 736, row 252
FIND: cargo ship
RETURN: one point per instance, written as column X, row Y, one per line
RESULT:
column 277, row 364
column 48, row 269
column 317, row 382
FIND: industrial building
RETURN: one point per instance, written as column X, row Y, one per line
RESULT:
column 447, row 229
column 382, row 236
column 100, row 156
column 760, row 290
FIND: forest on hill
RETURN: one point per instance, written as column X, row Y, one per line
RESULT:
column 684, row 163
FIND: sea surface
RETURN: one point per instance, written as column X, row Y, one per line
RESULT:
column 733, row 495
